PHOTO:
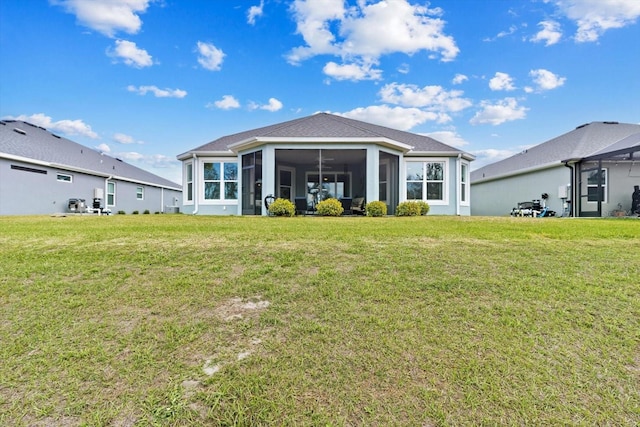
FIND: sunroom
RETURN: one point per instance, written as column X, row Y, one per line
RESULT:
column 323, row 156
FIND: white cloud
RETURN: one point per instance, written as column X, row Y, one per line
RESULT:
column 255, row 12
column 125, row 139
column 430, row 98
column 352, row 71
column 393, row 117
column 364, row 32
column 502, row 111
column 227, row 102
column 131, row 54
column 490, row 155
column 273, row 105
column 501, row 81
column 104, row 148
column 459, row 79
column 159, row 93
column 594, row 17
column 404, row 68
column 67, row 127
column 107, row 16
column 550, row 33
column 448, row 137
column 512, row 29
column 210, row 56
column 546, row 80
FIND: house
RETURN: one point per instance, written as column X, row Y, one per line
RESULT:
column 589, row 171
column 43, row 173
column 320, row 156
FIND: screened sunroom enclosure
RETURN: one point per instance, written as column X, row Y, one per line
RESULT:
column 314, row 175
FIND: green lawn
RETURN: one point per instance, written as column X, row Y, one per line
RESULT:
column 429, row 321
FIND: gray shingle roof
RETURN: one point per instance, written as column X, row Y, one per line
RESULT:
column 579, row 143
column 25, row 140
column 325, row 125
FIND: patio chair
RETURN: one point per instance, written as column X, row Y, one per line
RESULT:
column 346, row 205
column 301, row 205
column 358, row 206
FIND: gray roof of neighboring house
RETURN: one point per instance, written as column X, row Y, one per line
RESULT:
column 325, row 125
column 581, row 142
column 626, row 145
column 23, row 140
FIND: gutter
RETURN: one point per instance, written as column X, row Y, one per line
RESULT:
column 573, row 188
column 194, row 180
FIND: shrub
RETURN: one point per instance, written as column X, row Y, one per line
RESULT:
column 146, row 212
column 135, row 213
column 408, row 208
column 282, row 207
column 424, row 207
column 122, row 213
column 376, row 208
column 330, row 207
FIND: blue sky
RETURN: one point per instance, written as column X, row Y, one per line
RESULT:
column 146, row 80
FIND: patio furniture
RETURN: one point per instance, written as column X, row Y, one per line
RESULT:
column 301, row 205
column 346, row 205
column 358, row 206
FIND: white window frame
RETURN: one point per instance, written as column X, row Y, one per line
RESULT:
column 112, row 194
column 465, row 175
column 445, row 179
column 187, row 194
column 139, row 193
column 202, row 182
column 66, row 175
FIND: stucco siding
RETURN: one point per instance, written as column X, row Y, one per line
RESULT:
column 498, row 197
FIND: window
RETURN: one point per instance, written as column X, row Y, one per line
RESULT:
column 425, row 181
column 464, row 183
column 111, row 193
column 140, row 193
column 220, row 181
column 63, row 177
column 188, row 172
column 28, row 169
column 593, row 189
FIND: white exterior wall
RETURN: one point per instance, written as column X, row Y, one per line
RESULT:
column 498, row 197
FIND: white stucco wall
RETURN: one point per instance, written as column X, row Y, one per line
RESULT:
column 498, row 197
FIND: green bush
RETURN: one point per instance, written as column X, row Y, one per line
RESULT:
column 122, row 213
column 146, row 212
column 376, row 208
column 282, row 207
column 424, row 207
column 135, row 213
column 330, row 207
column 408, row 208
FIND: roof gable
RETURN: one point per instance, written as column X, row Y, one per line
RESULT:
column 327, row 126
column 23, row 140
column 574, row 145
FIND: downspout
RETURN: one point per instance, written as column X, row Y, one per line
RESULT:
column 573, row 187
column 458, row 184
column 194, row 193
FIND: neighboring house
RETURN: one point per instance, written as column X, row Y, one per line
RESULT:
column 40, row 172
column 590, row 171
column 321, row 156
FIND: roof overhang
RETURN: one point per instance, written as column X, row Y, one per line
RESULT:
column 85, row 171
column 518, row 172
column 254, row 142
column 190, row 154
column 462, row 154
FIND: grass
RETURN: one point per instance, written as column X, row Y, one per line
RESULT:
column 174, row 320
